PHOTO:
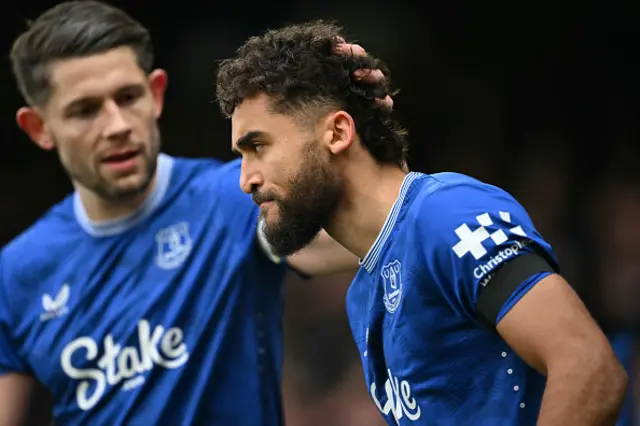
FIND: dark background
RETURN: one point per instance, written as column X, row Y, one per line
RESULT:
column 540, row 98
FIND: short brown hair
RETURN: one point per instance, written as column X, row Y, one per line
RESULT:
column 69, row 30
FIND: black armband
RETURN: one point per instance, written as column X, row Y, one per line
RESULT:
column 503, row 282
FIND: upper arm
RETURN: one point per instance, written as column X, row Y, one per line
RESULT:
column 492, row 265
column 23, row 401
column 10, row 360
column 550, row 323
column 481, row 249
column 323, row 256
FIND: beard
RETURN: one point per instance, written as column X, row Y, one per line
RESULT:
column 315, row 190
column 80, row 171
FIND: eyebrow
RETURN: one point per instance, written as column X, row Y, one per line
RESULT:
column 246, row 140
column 137, row 87
column 77, row 103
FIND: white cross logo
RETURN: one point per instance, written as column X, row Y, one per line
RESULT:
column 471, row 241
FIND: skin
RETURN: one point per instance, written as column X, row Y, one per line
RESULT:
column 102, row 105
column 275, row 149
column 549, row 328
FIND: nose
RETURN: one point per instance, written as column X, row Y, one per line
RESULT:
column 117, row 127
column 250, row 179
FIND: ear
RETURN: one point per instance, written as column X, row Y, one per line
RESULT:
column 30, row 120
column 158, row 82
column 338, row 132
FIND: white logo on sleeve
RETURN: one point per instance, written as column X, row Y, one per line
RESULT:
column 160, row 347
column 483, row 271
column 472, row 241
column 399, row 400
column 56, row 307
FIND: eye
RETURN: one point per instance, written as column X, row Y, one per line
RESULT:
column 257, row 147
column 128, row 97
column 87, row 110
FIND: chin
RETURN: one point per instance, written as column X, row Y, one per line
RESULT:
column 270, row 215
column 288, row 238
column 270, row 212
column 129, row 187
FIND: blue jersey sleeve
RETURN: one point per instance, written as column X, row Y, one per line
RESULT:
column 10, row 361
column 466, row 232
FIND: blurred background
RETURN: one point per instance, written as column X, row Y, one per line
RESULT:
column 540, row 98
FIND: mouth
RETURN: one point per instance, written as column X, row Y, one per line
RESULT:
column 122, row 160
column 122, row 155
column 262, row 199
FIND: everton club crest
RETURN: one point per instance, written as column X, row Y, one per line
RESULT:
column 392, row 285
column 174, row 245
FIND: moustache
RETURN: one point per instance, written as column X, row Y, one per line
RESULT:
column 263, row 197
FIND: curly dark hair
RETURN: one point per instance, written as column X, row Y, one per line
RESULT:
column 73, row 29
column 296, row 68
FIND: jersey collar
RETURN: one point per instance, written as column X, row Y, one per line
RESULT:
column 371, row 259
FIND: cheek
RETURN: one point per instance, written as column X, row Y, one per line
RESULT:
column 143, row 127
column 73, row 146
column 143, row 115
column 284, row 159
column 78, row 135
column 277, row 170
column 71, row 157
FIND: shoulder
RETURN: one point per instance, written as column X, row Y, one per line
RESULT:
column 211, row 188
column 194, row 172
column 450, row 203
column 458, row 194
column 210, row 176
column 40, row 248
column 51, row 230
column 463, row 221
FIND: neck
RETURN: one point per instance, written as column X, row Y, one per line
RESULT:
column 370, row 193
column 100, row 209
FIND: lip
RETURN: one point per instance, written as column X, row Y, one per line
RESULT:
column 121, row 161
column 266, row 203
column 112, row 156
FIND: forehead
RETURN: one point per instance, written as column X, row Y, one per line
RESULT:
column 94, row 75
column 255, row 114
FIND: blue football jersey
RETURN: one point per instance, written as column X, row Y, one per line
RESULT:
column 427, row 357
column 169, row 316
